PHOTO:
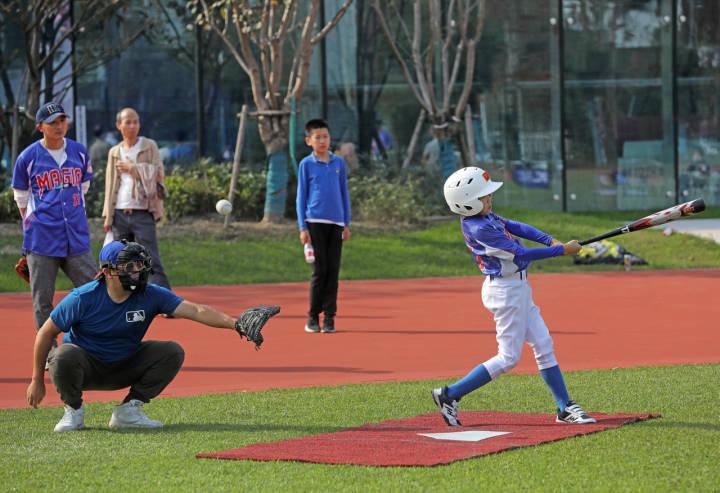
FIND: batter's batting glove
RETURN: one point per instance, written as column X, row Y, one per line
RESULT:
column 22, row 269
column 251, row 322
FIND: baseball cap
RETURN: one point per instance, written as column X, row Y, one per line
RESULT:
column 109, row 253
column 49, row 112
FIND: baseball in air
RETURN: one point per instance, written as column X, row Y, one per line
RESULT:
column 224, row 207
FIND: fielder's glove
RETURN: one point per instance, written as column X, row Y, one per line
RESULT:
column 251, row 322
column 22, row 269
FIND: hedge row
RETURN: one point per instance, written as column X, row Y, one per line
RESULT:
column 375, row 195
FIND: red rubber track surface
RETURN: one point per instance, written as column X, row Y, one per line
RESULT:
column 412, row 329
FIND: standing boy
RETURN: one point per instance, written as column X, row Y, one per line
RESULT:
column 50, row 180
column 505, row 293
column 323, row 211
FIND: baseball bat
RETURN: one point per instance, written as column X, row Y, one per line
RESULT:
column 660, row 217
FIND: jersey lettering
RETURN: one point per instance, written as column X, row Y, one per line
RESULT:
column 54, row 178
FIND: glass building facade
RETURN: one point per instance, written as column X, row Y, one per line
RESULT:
column 577, row 105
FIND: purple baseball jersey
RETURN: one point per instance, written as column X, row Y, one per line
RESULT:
column 55, row 223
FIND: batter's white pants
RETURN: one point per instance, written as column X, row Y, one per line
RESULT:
column 517, row 319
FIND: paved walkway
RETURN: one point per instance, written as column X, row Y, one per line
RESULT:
column 705, row 228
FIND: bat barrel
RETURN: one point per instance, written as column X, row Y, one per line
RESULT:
column 698, row 205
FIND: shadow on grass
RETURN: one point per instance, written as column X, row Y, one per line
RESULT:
column 213, row 427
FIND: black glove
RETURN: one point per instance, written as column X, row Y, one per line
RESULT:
column 251, row 322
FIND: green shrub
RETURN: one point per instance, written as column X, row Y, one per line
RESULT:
column 377, row 199
column 8, row 209
column 96, row 195
column 195, row 190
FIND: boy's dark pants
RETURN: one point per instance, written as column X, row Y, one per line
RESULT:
column 147, row 372
column 327, row 243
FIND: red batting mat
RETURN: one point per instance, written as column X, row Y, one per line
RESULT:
column 425, row 440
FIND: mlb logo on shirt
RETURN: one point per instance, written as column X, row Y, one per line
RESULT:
column 137, row 316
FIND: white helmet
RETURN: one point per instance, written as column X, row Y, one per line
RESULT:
column 464, row 188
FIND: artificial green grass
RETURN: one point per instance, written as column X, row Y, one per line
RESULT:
column 435, row 250
column 678, row 452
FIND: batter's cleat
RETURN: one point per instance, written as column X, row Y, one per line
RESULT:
column 312, row 325
column 574, row 414
column 448, row 407
column 131, row 415
column 328, row 325
column 72, row 420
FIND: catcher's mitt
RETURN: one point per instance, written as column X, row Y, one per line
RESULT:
column 250, row 322
column 22, row 269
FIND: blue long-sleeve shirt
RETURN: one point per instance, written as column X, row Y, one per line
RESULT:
column 322, row 192
column 496, row 252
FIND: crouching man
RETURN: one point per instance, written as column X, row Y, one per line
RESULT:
column 104, row 322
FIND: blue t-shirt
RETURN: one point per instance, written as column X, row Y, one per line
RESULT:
column 55, row 223
column 110, row 331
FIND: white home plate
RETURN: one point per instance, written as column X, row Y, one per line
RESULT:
column 465, row 436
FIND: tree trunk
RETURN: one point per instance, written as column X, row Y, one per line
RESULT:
column 276, row 188
column 274, row 131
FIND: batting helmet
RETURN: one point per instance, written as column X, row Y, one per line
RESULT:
column 464, row 189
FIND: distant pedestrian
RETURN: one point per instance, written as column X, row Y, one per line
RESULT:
column 99, row 148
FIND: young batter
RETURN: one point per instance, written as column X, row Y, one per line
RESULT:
column 505, row 293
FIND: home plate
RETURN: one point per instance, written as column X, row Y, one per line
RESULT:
column 425, row 440
column 464, row 436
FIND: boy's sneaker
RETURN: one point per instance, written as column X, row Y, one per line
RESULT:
column 448, row 408
column 328, row 325
column 312, row 325
column 574, row 414
column 131, row 415
column 73, row 419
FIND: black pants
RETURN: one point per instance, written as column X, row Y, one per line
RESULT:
column 327, row 243
column 140, row 227
column 147, row 372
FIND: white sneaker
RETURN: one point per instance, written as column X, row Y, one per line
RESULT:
column 131, row 415
column 449, row 408
column 73, row 419
column 574, row 414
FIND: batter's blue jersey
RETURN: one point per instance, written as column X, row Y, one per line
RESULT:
column 497, row 253
column 55, row 223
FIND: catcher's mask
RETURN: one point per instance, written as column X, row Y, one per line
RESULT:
column 464, row 189
column 131, row 261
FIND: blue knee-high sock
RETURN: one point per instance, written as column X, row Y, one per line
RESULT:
column 554, row 379
column 478, row 377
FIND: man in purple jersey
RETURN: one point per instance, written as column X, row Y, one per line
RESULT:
column 50, row 179
column 505, row 293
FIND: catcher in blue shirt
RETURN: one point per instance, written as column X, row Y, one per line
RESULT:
column 506, row 293
column 323, row 211
column 104, row 322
